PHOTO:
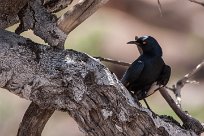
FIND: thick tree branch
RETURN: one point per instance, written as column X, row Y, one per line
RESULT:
column 56, row 5
column 9, row 9
column 77, row 14
column 34, row 121
column 74, row 82
column 34, row 16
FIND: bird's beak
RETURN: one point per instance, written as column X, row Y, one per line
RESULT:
column 134, row 42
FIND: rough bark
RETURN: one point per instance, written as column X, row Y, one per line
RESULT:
column 74, row 82
column 9, row 9
column 34, row 121
column 77, row 14
column 34, row 16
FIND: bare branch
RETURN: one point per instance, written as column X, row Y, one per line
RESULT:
column 194, row 71
column 188, row 121
column 186, row 79
column 80, row 12
column 34, row 120
column 195, row 1
column 113, row 61
column 56, row 5
column 160, row 7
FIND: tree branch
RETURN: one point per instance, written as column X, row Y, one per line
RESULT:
column 34, row 16
column 10, row 8
column 113, row 61
column 184, row 80
column 74, row 82
column 197, row 2
column 188, row 122
column 56, row 5
column 77, row 14
column 34, row 120
column 160, row 7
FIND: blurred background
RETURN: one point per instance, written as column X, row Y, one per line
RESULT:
column 179, row 30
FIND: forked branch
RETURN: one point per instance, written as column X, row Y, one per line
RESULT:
column 185, row 80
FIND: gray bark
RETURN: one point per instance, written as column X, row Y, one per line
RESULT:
column 34, row 121
column 76, row 83
column 34, row 16
column 9, row 9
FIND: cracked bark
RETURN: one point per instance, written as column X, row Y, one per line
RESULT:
column 76, row 83
column 34, row 16
column 9, row 9
column 34, row 121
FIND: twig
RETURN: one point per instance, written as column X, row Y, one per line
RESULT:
column 188, row 122
column 113, row 61
column 160, row 7
column 195, row 1
column 186, row 79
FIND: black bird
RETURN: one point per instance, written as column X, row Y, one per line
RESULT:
column 148, row 69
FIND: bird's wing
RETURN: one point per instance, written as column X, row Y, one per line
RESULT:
column 133, row 73
column 164, row 76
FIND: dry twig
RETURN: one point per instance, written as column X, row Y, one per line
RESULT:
column 198, row 2
column 186, row 79
column 113, row 61
column 160, row 7
column 188, row 121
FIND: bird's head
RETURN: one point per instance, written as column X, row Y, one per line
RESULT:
column 147, row 45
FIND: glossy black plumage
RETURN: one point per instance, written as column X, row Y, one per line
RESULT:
column 147, row 69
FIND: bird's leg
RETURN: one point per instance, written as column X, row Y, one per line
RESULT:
column 146, row 104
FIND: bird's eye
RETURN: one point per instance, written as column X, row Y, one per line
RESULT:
column 144, row 42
